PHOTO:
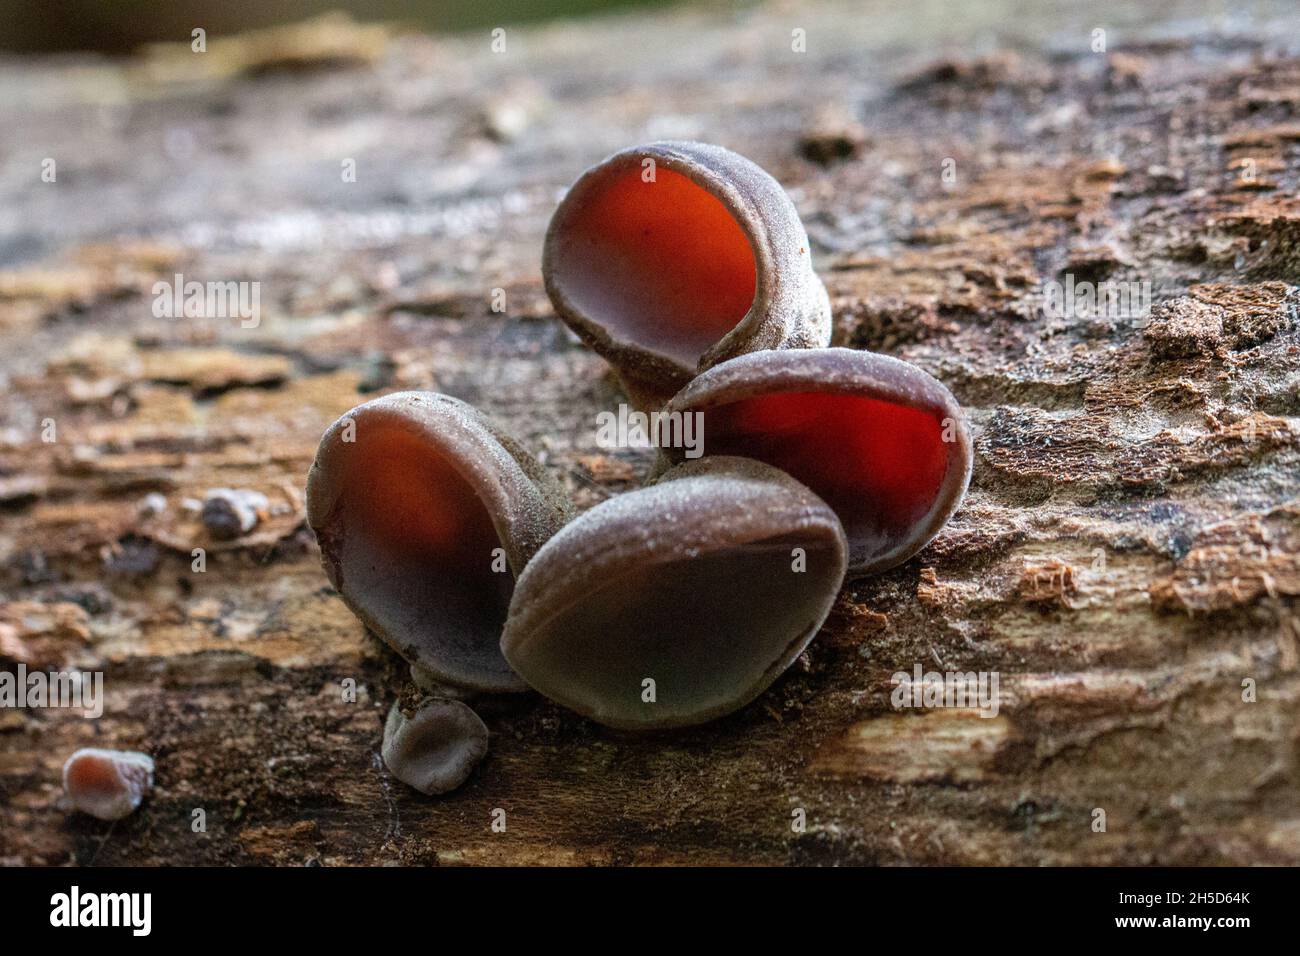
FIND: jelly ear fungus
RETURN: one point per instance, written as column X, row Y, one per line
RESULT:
column 882, row 442
column 671, row 257
column 436, row 746
column 426, row 511
column 706, row 584
column 108, row 784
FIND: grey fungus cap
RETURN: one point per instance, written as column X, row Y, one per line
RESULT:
column 436, row 747
column 679, row 602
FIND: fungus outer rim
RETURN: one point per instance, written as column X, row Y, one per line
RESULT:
column 624, row 568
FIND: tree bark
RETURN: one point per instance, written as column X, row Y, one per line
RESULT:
column 1127, row 560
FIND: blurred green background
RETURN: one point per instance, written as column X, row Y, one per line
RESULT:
column 118, row 26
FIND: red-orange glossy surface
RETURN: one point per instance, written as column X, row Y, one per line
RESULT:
column 878, row 464
column 662, row 264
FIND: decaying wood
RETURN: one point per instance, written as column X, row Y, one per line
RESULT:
column 1128, row 556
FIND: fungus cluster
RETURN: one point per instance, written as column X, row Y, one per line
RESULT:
column 687, row 268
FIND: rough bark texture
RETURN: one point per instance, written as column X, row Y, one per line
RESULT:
column 1128, row 555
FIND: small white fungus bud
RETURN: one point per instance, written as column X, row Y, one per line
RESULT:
column 108, row 784
column 436, row 748
column 229, row 512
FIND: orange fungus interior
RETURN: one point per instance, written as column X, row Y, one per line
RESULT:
column 661, row 264
column 419, row 542
column 878, row 464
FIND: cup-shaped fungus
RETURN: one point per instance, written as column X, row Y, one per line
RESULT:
column 108, row 784
column 437, row 747
column 679, row 602
column 882, row 442
column 670, row 257
column 426, row 512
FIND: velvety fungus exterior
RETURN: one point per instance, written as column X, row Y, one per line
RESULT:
column 436, row 746
column 680, row 602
